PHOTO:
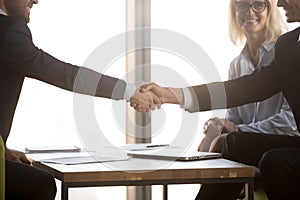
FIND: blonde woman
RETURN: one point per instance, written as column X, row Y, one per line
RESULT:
column 256, row 24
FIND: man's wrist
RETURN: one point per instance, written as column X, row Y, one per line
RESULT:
column 129, row 90
column 174, row 95
column 187, row 99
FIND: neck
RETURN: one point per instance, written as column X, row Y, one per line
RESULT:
column 254, row 41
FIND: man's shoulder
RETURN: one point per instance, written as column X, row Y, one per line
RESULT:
column 288, row 37
column 9, row 23
column 6, row 22
column 285, row 46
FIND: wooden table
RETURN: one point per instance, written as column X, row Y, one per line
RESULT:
column 142, row 172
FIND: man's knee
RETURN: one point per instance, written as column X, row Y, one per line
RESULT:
column 272, row 162
column 230, row 144
column 47, row 187
column 237, row 146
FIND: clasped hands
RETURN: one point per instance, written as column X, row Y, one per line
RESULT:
column 215, row 131
column 219, row 126
column 150, row 96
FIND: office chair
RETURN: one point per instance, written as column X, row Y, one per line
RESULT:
column 2, row 169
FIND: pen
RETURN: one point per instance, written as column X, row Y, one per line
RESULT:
column 157, row 145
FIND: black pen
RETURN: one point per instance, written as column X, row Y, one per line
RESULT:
column 157, row 145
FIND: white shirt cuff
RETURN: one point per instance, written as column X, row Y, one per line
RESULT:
column 187, row 99
column 129, row 91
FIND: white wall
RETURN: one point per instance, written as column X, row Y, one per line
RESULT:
column 71, row 29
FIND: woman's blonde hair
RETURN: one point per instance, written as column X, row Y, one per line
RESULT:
column 275, row 25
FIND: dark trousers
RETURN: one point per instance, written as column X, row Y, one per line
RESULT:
column 24, row 182
column 277, row 156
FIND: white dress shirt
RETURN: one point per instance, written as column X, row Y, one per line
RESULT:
column 2, row 12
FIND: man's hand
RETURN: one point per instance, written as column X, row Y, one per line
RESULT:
column 152, row 95
column 165, row 94
column 17, row 156
column 144, row 101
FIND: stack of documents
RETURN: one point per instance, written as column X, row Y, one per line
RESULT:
column 81, row 159
column 58, row 149
column 70, row 155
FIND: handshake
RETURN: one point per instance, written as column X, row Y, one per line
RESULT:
column 151, row 96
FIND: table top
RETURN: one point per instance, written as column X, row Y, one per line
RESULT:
column 137, row 169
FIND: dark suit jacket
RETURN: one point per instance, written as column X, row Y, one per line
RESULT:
column 283, row 74
column 19, row 58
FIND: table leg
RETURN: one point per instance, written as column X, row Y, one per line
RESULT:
column 249, row 190
column 165, row 192
column 64, row 191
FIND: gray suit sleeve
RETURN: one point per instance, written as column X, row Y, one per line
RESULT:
column 30, row 61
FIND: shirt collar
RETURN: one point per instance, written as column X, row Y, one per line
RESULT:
column 2, row 12
column 268, row 46
column 264, row 46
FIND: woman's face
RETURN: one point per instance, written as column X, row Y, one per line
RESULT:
column 251, row 15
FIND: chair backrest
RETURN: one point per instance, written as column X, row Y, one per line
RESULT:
column 2, row 170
